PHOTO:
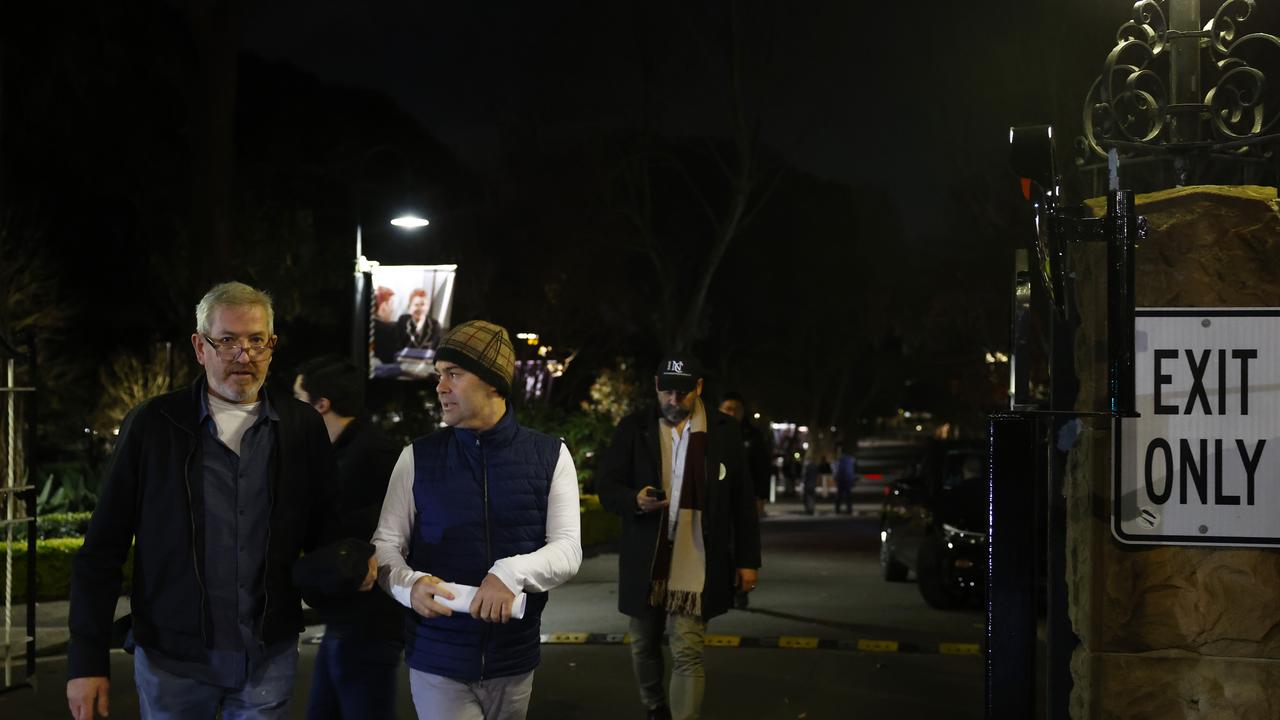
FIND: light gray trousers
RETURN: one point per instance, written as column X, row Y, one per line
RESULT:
column 688, row 680
column 442, row 698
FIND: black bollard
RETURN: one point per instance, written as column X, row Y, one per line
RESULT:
column 1013, row 444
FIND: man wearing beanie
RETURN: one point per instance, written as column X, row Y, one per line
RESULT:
column 483, row 508
column 677, row 476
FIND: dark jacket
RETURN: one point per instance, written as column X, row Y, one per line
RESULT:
column 758, row 461
column 480, row 497
column 152, row 497
column 365, row 458
column 730, row 528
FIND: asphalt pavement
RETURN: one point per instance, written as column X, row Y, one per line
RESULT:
column 823, row 637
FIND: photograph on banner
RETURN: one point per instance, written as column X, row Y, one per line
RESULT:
column 408, row 314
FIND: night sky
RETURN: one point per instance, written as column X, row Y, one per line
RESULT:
column 152, row 148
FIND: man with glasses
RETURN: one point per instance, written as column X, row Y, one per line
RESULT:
column 218, row 488
column 677, row 476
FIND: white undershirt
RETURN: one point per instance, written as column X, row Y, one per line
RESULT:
column 679, row 448
column 543, row 569
column 232, row 420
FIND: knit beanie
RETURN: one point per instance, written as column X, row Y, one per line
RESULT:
column 482, row 348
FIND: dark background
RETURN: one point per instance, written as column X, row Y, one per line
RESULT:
column 830, row 178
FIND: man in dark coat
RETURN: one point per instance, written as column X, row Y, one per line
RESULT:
column 355, row 669
column 677, row 475
column 218, row 489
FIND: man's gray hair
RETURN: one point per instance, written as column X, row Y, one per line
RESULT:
column 232, row 294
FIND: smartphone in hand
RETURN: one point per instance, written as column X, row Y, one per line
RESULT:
column 656, row 494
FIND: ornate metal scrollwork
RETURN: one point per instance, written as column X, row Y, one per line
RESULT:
column 1129, row 106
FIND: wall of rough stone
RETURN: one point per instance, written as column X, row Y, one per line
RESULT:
column 1171, row 632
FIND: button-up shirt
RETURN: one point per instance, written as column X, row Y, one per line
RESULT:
column 237, row 512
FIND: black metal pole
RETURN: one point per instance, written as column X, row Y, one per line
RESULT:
column 1011, row 567
column 1122, row 231
column 360, row 322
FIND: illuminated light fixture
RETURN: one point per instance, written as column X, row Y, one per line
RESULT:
column 756, row 416
column 529, row 338
column 803, row 428
column 906, row 414
column 410, row 221
column 919, row 428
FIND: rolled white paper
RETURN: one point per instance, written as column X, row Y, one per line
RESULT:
column 464, row 594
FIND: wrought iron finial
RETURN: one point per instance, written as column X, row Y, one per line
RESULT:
column 1148, row 100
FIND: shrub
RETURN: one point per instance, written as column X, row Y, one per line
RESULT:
column 585, row 433
column 53, row 568
column 62, row 525
column 599, row 526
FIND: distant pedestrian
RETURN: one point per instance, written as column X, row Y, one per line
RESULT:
column 355, row 669
column 677, row 476
column 484, row 503
column 845, row 478
column 759, row 466
column 756, row 446
column 814, row 469
column 217, row 489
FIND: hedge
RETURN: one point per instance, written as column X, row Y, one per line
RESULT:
column 599, row 526
column 62, row 525
column 53, row 571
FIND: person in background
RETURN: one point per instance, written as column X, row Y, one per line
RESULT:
column 845, row 476
column 759, row 465
column 355, row 667
column 756, row 446
column 690, row 532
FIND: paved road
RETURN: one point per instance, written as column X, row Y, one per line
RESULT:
column 820, row 586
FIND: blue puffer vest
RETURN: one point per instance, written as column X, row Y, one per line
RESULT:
column 480, row 497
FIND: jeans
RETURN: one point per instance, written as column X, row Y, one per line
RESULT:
column 264, row 695
column 441, row 698
column 354, row 678
column 844, row 497
column 688, row 680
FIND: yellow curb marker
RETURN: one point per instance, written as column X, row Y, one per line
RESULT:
column 724, row 640
column 797, row 642
column 567, row 638
column 878, row 645
column 959, row 649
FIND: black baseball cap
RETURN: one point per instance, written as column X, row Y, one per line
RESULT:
column 679, row 372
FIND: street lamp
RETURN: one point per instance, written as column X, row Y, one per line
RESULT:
column 360, row 328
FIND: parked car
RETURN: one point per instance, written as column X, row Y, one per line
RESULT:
column 882, row 459
column 933, row 524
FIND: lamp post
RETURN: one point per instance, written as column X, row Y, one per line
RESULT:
column 361, row 330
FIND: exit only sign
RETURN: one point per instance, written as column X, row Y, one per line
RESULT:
column 1201, row 465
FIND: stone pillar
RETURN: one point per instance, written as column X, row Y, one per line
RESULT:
column 1171, row 632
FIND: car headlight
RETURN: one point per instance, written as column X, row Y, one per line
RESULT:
column 954, row 534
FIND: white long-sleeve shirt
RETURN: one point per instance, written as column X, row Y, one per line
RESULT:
column 543, row 569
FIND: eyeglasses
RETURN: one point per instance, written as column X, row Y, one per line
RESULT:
column 229, row 350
